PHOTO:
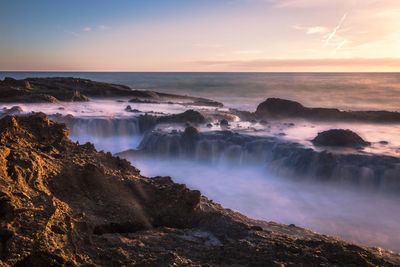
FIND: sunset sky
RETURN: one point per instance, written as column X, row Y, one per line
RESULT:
column 200, row 35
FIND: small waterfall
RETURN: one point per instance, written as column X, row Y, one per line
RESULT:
column 108, row 134
column 286, row 159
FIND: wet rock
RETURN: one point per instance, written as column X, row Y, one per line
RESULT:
column 15, row 110
column 189, row 116
column 224, row 122
column 191, row 132
column 54, row 89
column 142, row 101
column 279, row 107
column 339, row 138
column 130, row 109
column 276, row 108
column 363, row 171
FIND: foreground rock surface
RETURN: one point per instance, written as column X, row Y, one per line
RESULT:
column 65, row 204
column 276, row 108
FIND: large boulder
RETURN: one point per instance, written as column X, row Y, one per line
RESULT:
column 277, row 107
column 339, row 138
column 189, row 116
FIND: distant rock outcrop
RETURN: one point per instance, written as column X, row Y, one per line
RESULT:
column 339, row 138
column 36, row 90
column 276, row 108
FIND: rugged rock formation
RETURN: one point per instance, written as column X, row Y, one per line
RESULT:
column 275, row 108
column 65, row 204
column 75, row 89
column 339, row 138
column 189, row 116
column 148, row 122
column 362, row 171
column 15, row 110
column 41, row 90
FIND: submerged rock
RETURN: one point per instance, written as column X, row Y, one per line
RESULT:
column 130, row 109
column 339, row 138
column 65, row 204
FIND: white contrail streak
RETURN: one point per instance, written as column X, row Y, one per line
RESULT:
column 333, row 33
column 340, row 45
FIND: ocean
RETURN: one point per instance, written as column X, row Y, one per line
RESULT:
column 346, row 91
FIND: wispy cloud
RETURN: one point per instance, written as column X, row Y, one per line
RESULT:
column 340, row 45
column 316, row 30
column 87, row 29
column 312, row 29
column 333, row 33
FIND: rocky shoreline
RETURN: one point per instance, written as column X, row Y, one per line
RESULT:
column 276, row 108
column 65, row 204
column 68, row 89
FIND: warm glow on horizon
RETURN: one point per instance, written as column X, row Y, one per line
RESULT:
column 224, row 35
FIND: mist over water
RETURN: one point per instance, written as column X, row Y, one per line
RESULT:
column 364, row 218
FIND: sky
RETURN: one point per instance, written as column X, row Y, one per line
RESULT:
column 200, row 35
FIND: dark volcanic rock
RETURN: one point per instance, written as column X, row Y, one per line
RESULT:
column 76, row 89
column 276, row 108
column 279, row 107
column 15, row 110
column 224, row 122
column 148, row 122
column 41, row 90
column 191, row 132
column 65, row 204
column 189, row 116
column 339, row 138
column 142, row 101
column 152, row 97
column 130, row 109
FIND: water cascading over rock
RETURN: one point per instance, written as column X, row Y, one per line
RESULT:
column 372, row 172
